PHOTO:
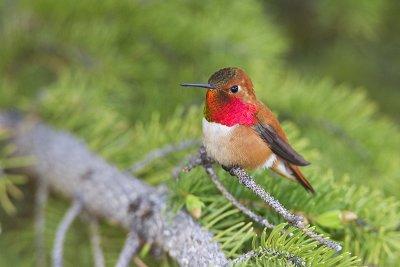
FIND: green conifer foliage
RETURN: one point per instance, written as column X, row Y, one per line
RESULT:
column 9, row 182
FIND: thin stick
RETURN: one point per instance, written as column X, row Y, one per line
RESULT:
column 98, row 256
column 62, row 230
column 187, row 164
column 321, row 239
column 160, row 153
column 248, row 182
column 41, row 196
column 294, row 220
column 139, row 262
column 130, row 248
column 255, row 217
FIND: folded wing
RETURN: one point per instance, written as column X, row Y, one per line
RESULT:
column 278, row 145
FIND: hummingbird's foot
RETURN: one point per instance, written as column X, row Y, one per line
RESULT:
column 228, row 169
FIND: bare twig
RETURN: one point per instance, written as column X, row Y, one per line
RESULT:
column 95, row 240
column 130, row 248
column 69, row 217
column 160, row 153
column 138, row 262
column 290, row 258
column 255, row 217
column 40, row 205
column 294, row 220
column 246, row 180
column 321, row 239
column 186, row 165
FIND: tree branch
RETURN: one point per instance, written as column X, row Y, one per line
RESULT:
column 130, row 248
column 294, row 220
column 98, row 256
column 41, row 196
column 70, row 169
column 246, row 180
column 214, row 178
column 193, row 161
column 160, row 153
column 62, row 230
column 186, row 165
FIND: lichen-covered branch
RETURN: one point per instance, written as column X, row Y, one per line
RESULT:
column 246, row 180
column 72, row 170
column 162, row 152
column 257, row 218
column 95, row 240
column 187, row 164
column 62, row 230
column 130, row 248
column 41, row 196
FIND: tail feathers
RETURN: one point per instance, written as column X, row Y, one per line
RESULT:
column 301, row 179
column 292, row 172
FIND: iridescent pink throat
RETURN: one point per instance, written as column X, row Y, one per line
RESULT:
column 232, row 113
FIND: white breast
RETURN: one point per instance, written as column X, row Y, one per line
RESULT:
column 216, row 139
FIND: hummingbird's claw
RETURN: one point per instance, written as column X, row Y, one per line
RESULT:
column 228, row 169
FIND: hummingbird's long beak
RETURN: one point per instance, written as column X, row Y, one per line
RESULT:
column 198, row 85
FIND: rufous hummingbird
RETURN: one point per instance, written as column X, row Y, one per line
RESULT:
column 239, row 130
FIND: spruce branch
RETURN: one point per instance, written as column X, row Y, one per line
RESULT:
column 246, row 180
column 41, row 198
column 186, row 165
column 138, row 262
column 160, row 153
column 129, row 250
column 62, row 230
column 95, row 240
column 71, row 169
column 255, row 217
column 296, row 221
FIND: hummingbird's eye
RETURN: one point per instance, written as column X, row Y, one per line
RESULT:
column 234, row 89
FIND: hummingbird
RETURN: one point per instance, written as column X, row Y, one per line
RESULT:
column 239, row 130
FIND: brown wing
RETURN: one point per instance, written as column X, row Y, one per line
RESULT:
column 269, row 129
column 278, row 145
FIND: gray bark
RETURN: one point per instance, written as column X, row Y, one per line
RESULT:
column 69, row 168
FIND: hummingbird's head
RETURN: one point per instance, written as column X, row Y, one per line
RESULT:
column 230, row 97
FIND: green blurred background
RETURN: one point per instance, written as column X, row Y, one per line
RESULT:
column 330, row 69
column 147, row 48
